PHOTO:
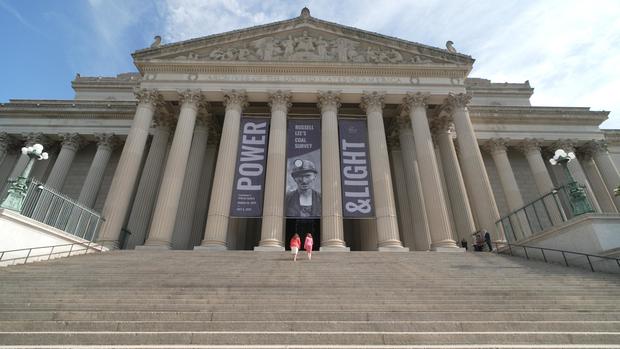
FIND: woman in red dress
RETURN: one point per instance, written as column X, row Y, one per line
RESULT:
column 308, row 245
column 295, row 245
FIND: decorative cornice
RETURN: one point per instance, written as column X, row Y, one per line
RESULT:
column 72, row 141
column 236, row 99
column 372, row 102
column 458, row 100
column 280, row 100
column 496, row 145
column 328, row 101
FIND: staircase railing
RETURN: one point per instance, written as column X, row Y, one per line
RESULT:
column 44, row 253
column 48, row 206
column 555, row 256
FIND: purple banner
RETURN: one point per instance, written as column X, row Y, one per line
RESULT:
column 303, row 168
column 249, row 185
column 355, row 169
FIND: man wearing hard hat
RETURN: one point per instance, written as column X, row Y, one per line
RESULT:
column 305, row 201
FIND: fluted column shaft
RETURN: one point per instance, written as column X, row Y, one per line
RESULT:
column 146, row 194
column 597, row 183
column 388, row 237
column 121, row 189
column 608, row 170
column 405, row 217
column 434, row 199
column 189, row 194
column 93, row 180
column 332, row 229
column 62, row 165
column 474, row 172
column 544, row 184
column 4, row 146
column 272, row 230
column 164, row 216
column 575, row 169
column 204, row 191
column 461, row 211
column 421, row 232
column 221, row 194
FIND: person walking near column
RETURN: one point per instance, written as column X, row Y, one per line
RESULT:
column 308, row 242
column 295, row 245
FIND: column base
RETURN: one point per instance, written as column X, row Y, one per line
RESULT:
column 334, row 249
column 208, row 248
column 393, row 249
column 448, row 249
column 269, row 248
column 153, row 247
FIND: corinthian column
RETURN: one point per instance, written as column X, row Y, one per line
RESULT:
column 421, row 233
column 92, row 183
column 332, row 229
column 121, row 189
column 219, row 208
column 167, row 205
column 606, row 166
column 434, row 199
column 604, row 197
column 189, row 195
column 461, row 211
column 405, row 219
column 497, row 148
column 544, row 185
column 474, row 172
column 272, row 230
column 388, row 238
column 70, row 145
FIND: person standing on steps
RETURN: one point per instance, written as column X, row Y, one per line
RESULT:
column 295, row 245
column 487, row 239
column 308, row 242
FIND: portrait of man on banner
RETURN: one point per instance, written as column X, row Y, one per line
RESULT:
column 304, row 201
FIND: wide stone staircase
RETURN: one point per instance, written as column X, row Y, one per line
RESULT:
column 195, row 299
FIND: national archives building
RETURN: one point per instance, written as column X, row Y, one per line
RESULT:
column 238, row 140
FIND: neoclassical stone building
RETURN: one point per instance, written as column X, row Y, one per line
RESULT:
column 160, row 152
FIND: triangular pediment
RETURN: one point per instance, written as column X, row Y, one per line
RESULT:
column 302, row 39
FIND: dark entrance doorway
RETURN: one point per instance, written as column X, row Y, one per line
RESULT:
column 302, row 227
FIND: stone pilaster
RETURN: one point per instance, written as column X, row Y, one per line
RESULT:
column 189, row 194
column 117, row 202
column 434, row 202
column 164, row 216
column 606, row 166
column 474, row 173
column 531, row 148
column 92, row 183
column 272, row 230
column 70, row 145
column 332, row 230
column 422, row 239
column 388, row 238
column 497, row 148
column 219, row 207
column 461, row 211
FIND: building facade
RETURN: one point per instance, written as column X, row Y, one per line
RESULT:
column 199, row 148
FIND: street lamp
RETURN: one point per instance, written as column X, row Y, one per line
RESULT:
column 576, row 194
column 17, row 190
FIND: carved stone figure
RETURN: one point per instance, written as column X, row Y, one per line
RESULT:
column 321, row 46
column 305, row 43
column 289, row 46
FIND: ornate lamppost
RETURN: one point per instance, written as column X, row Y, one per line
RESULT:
column 576, row 194
column 17, row 190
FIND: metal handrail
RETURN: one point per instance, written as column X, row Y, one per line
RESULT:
column 87, row 246
column 563, row 252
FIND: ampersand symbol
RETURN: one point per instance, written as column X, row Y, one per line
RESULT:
column 362, row 206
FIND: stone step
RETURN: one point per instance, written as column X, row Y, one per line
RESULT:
column 306, row 338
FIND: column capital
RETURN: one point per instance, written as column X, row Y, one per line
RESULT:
column 530, row 145
column 592, row 148
column 458, row 100
column 237, row 99
column 203, row 119
column 106, row 140
column 36, row 137
column 415, row 100
column 72, row 141
column 163, row 118
column 280, row 100
column 150, row 97
column 372, row 101
column 441, row 123
column 566, row 144
column 496, row 145
column 393, row 135
column 215, row 131
column 192, row 98
column 329, row 100
column 403, row 120
column 5, row 141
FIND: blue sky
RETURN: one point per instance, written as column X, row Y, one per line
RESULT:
column 569, row 50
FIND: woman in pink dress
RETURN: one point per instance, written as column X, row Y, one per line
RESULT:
column 308, row 245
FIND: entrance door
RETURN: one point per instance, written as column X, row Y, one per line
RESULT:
column 302, row 227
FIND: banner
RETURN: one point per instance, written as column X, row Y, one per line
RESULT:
column 303, row 168
column 249, row 184
column 355, row 169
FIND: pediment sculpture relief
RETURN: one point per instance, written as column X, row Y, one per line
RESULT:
column 304, row 46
